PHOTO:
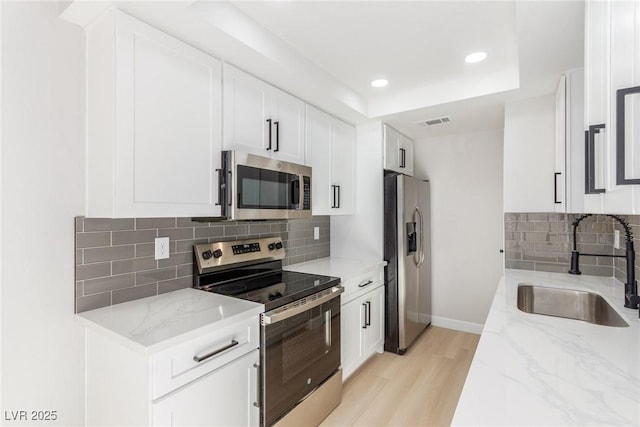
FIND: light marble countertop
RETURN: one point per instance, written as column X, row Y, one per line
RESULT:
column 531, row 369
column 152, row 324
column 344, row 268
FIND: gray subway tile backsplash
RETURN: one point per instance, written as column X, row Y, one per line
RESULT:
column 106, row 224
column 115, row 257
column 543, row 242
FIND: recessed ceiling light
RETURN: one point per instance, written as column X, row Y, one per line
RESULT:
column 475, row 57
column 379, row 83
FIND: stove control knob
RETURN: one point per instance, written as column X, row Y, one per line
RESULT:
column 278, row 245
column 217, row 253
column 272, row 246
column 207, row 254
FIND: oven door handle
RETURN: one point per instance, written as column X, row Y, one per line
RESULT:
column 285, row 312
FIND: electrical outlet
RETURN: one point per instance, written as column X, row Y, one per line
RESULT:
column 162, row 247
column 616, row 239
column 316, row 233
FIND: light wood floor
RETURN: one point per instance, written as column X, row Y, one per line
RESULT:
column 420, row 388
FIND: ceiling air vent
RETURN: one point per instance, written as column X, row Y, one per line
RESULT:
column 437, row 121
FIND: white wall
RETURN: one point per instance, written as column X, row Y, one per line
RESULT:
column 42, row 190
column 529, row 153
column 361, row 235
column 465, row 172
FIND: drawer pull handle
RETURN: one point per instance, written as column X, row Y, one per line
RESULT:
column 362, row 285
column 213, row 353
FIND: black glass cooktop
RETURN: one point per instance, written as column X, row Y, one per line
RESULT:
column 273, row 289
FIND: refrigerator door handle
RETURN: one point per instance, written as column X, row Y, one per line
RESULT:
column 420, row 254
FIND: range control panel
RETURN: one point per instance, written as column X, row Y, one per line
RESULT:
column 210, row 256
column 246, row 248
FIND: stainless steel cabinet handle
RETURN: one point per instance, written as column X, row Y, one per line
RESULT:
column 257, row 403
column 367, row 283
column 213, row 353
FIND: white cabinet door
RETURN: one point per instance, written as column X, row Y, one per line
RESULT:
column 352, row 327
column 154, row 140
column 247, row 105
column 331, row 153
column 624, row 73
column 318, row 148
column 391, row 149
column 406, row 153
column 374, row 333
column 362, row 329
column 398, row 152
column 560, row 174
column 612, row 62
column 224, row 397
column 288, row 115
column 597, row 43
column 261, row 119
column 343, row 167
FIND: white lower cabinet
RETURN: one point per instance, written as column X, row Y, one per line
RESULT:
column 218, row 399
column 362, row 323
column 210, row 379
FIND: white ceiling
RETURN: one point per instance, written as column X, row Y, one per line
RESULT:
column 327, row 52
column 420, row 48
column 411, row 44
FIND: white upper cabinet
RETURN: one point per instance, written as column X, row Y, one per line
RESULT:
column 154, row 109
column 398, row 152
column 261, row 119
column 569, row 179
column 331, row 153
column 612, row 70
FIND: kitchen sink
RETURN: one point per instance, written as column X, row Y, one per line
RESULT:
column 568, row 303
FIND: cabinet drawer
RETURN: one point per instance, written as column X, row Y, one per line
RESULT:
column 178, row 366
column 361, row 283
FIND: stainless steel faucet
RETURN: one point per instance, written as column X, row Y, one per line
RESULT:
column 631, row 298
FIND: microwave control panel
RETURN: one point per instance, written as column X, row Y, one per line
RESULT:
column 306, row 187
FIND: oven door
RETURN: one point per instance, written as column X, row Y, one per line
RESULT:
column 264, row 188
column 298, row 353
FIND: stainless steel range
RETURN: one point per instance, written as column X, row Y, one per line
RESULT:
column 301, row 378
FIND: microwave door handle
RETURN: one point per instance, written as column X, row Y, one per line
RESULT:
column 229, row 189
column 295, row 191
column 220, row 186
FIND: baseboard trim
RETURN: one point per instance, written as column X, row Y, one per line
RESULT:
column 457, row 325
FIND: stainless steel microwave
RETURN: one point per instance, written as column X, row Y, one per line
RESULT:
column 256, row 187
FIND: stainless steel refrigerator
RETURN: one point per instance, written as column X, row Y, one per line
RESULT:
column 407, row 250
